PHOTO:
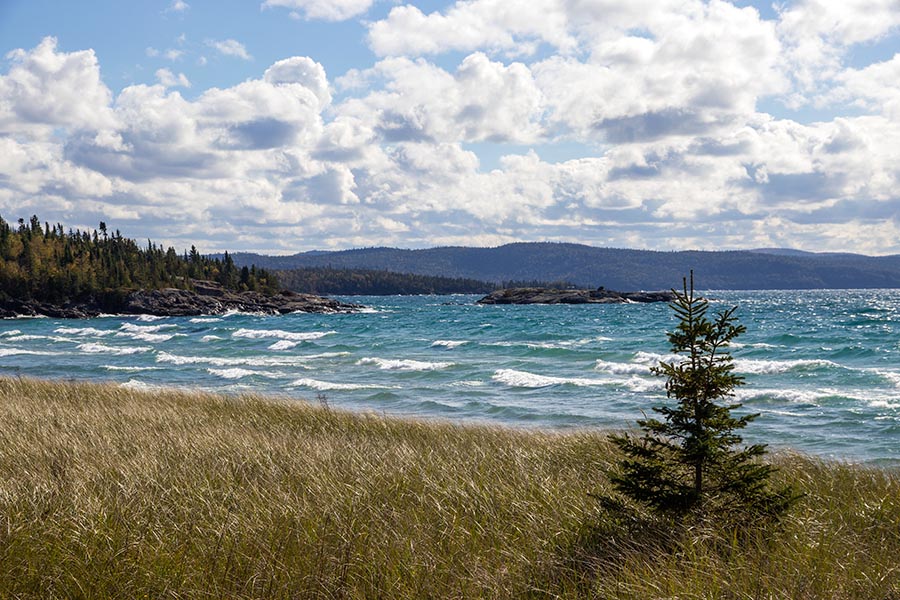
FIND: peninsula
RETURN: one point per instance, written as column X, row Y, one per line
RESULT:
column 46, row 270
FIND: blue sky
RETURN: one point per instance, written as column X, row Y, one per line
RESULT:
column 288, row 125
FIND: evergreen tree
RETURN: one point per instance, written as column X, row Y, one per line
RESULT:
column 691, row 460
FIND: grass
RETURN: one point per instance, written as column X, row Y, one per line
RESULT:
column 107, row 492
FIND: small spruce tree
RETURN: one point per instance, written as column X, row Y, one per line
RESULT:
column 690, row 461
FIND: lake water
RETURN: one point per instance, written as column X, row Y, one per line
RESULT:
column 822, row 367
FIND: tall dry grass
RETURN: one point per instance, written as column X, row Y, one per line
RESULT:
column 107, row 492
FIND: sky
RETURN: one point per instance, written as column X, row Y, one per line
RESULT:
column 281, row 126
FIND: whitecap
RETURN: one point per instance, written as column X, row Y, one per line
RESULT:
column 514, row 378
column 83, row 331
column 283, row 345
column 147, row 337
column 129, row 368
column 93, row 348
column 230, row 362
column 448, row 343
column 327, row 385
column 278, row 333
column 618, row 368
column 149, row 318
column 238, row 373
column 10, row 332
column 16, row 351
column 760, row 367
column 400, row 364
column 210, row 338
column 140, row 386
column 132, row 328
column 205, row 320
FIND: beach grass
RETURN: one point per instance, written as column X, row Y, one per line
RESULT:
column 108, row 492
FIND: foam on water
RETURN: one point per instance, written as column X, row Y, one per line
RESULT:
column 205, row 320
column 330, row 386
column 84, row 331
column 524, row 379
column 283, row 345
column 24, row 352
column 218, row 361
column 782, row 366
column 95, row 348
column 10, row 332
column 400, row 364
column 448, row 343
column 238, row 373
column 210, row 338
column 255, row 334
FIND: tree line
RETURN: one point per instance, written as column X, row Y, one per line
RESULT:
column 47, row 263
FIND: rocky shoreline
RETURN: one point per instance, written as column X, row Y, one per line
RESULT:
column 555, row 296
column 207, row 298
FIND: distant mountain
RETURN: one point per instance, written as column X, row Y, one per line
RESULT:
column 613, row 268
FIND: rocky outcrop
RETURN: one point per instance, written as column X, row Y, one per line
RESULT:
column 207, row 298
column 554, row 296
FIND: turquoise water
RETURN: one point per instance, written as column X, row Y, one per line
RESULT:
column 822, row 367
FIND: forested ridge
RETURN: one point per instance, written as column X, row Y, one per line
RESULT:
column 47, row 263
column 618, row 269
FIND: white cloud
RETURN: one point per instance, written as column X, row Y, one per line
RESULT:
column 327, row 10
column 230, row 47
column 178, row 6
column 56, row 89
column 169, row 79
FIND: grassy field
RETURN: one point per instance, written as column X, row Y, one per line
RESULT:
column 112, row 493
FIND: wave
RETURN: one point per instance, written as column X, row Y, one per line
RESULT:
column 210, row 338
column 17, row 351
column 129, row 368
column 525, row 379
column 255, row 334
column 30, row 337
column 767, row 367
column 448, row 343
column 10, row 332
column 618, row 368
column 148, row 337
column 150, row 318
column 140, row 386
column 205, row 320
column 94, row 348
column 327, row 385
column 270, row 361
column 131, row 327
column 238, row 373
column 400, row 364
column 283, row 345
column 84, row 331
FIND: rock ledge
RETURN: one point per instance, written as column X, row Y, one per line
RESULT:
column 554, row 296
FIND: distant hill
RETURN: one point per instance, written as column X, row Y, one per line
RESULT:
column 613, row 268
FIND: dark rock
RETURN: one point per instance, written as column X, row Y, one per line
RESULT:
column 209, row 298
column 554, row 296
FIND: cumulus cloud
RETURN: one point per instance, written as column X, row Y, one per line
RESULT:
column 178, row 6
column 168, row 79
column 230, row 47
column 45, row 87
column 327, row 10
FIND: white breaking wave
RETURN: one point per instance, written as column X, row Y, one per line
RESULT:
column 15, row 351
column 140, row 386
column 210, row 338
column 150, row 318
column 129, row 369
column 271, row 361
column 29, row 337
column 83, row 331
column 399, row 364
column 205, row 320
column 94, row 348
column 131, row 327
column 147, row 337
column 618, row 368
column 758, row 367
column 892, row 376
column 327, row 385
column 278, row 333
column 514, row 378
column 448, row 343
column 283, row 345
column 237, row 373
column 10, row 332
